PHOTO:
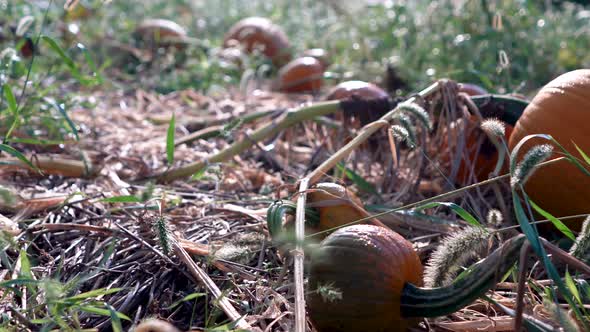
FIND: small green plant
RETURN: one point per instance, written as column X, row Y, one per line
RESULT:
column 50, row 302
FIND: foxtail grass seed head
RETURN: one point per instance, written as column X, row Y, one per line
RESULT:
column 581, row 248
column 453, row 252
column 406, row 123
column 418, row 112
column 494, row 217
column 329, row 293
column 536, row 155
column 401, row 134
column 561, row 316
column 163, row 234
column 493, row 127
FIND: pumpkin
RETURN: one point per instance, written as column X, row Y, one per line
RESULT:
column 369, row 265
column 472, row 89
column 483, row 161
column 260, row 33
column 336, row 204
column 320, row 54
column 363, row 90
column 374, row 275
column 160, row 32
column 561, row 109
column 329, row 205
column 301, row 75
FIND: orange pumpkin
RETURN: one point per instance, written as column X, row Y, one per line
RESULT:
column 483, row 161
column 359, row 89
column 260, row 33
column 560, row 109
column 161, row 32
column 336, row 204
column 367, row 278
column 369, row 265
column 320, row 54
column 301, row 75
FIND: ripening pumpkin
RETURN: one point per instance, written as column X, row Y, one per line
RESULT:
column 301, row 75
column 482, row 161
column 335, row 206
column 359, row 89
column 561, row 109
column 374, row 276
column 370, row 266
column 320, row 54
column 260, row 33
column 160, row 32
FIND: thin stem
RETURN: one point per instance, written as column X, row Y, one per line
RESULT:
column 364, row 134
column 285, row 121
column 299, row 256
column 522, row 267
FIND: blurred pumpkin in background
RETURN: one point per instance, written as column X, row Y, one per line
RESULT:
column 304, row 74
column 260, row 33
column 320, row 54
column 160, row 33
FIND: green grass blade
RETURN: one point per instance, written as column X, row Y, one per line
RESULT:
column 558, row 224
column 584, row 155
column 15, row 153
column 53, row 45
column 115, row 319
column 184, row 299
column 170, row 140
column 122, row 199
column 358, row 180
column 102, row 312
column 571, row 285
column 97, row 77
column 468, row 217
column 13, row 107
column 92, row 294
column 572, row 159
column 10, row 99
column 65, row 115
column 25, row 265
column 539, row 250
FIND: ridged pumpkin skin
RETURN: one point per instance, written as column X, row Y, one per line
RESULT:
column 369, row 265
column 561, row 109
column 260, row 32
column 359, row 89
column 301, row 75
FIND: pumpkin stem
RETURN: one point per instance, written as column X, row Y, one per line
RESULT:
column 279, row 209
column 511, row 108
column 434, row 302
